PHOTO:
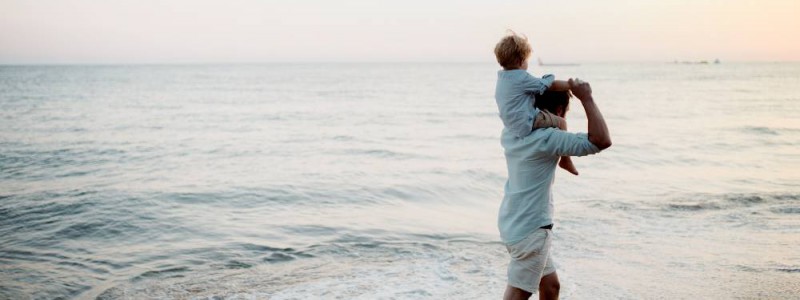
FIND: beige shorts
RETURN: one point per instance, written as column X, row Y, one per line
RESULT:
column 530, row 260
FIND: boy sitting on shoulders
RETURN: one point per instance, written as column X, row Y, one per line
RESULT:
column 516, row 89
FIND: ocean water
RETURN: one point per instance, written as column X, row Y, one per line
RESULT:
column 382, row 181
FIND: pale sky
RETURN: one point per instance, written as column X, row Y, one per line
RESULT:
column 201, row 31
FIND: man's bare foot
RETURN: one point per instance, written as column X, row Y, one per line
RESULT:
column 566, row 164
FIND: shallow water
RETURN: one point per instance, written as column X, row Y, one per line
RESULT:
column 364, row 181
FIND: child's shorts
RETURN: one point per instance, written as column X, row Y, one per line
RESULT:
column 530, row 260
column 545, row 119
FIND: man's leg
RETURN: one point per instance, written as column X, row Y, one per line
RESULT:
column 548, row 287
column 513, row 293
column 530, row 258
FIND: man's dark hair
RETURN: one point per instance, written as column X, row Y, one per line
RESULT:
column 551, row 101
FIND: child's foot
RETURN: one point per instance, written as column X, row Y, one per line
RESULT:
column 566, row 164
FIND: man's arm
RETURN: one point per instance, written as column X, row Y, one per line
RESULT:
column 598, row 130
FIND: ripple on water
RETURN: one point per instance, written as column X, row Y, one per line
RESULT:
column 733, row 201
column 760, row 130
column 354, row 266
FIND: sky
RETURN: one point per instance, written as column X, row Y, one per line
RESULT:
column 243, row 31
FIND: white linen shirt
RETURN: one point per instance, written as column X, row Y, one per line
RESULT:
column 528, row 196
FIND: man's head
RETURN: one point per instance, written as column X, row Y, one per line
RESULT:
column 554, row 102
column 512, row 52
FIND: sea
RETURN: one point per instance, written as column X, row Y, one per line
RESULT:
column 383, row 181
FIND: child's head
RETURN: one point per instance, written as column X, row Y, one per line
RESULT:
column 512, row 52
column 554, row 102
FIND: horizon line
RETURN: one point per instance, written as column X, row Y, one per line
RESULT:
column 199, row 63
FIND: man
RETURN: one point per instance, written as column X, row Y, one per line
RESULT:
column 526, row 214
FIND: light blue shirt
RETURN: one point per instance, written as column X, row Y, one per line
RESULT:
column 514, row 96
column 528, row 200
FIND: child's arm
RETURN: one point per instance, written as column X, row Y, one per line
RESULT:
column 535, row 85
column 546, row 83
column 559, row 86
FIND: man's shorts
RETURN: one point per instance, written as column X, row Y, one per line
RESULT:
column 530, row 260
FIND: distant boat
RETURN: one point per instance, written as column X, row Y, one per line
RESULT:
column 700, row 62
column 539, row 59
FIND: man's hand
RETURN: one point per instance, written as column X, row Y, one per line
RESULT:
column 580, row 89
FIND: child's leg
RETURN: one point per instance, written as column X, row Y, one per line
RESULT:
column 546, row 119
column 566, row 161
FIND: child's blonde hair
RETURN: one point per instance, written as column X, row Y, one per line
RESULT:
column 512, row 50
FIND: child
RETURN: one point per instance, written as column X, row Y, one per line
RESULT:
column 515, row 90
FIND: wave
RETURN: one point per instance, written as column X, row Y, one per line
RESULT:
column 760, row 130
column 348, row 267
column 384, row 154
column 734, row 201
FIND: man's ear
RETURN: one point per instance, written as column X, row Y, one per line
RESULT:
column 561, row 111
